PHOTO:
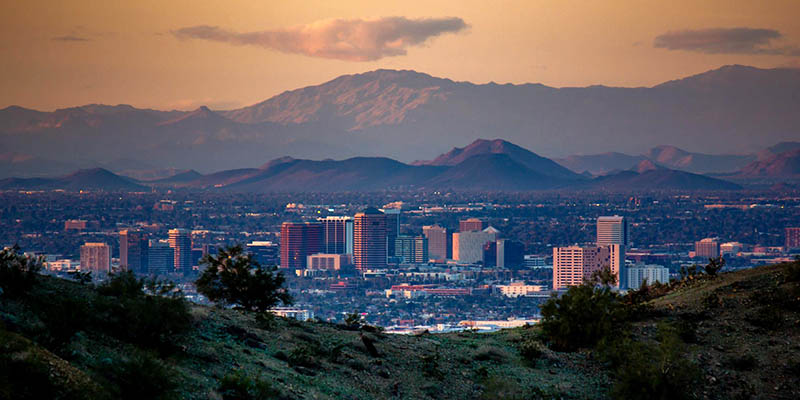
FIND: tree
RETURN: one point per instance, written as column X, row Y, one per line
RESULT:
column 18, row 273
column 234, row 277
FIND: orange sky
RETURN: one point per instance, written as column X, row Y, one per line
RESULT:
column 64, row 53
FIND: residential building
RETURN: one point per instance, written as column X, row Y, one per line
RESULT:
column 96, row 257
column 706, row 248
column 517, row 289
column 573, row 264
column 640, row 273
column 75, row 225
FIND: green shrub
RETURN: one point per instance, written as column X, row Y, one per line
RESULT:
column 714, row 266
column 583, row 316
column 240, row 386
column 652, row 371
column 489, row 353
column 234, row 277
column 141, row 376
column 22, row 374
column 302, row 356
column 793, row 270
column 430, row 365
column 531, row 350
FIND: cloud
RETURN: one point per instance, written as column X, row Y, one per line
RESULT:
column 341, row 39
column 725, row 41
column 70, row 38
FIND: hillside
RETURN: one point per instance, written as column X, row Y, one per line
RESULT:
column 409, row 115
column 85, row 179
column 739, row 329
column 785, row 165
column 649, row 176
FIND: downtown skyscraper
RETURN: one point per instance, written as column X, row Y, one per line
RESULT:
column 298, row 241
column 134, row 251
column 181, row 242
column 369, row 239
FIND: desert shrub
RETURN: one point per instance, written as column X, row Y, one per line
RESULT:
column 126, row 312
column 140, row 376
column 62, row 320
column 531, row 350
column 303, row 356
column 18, row 273
column 430, row 365
column 689, row 273
column 240, row 386
column 489, row 353
column 583, row 316
column 651, row 370
column 711, row 301
column 234, row 277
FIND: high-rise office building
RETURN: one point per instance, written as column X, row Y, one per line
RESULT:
column 510, row 254
column 613, row 230
column 471, row 225
column 792, row 238
column 337, row 235
column 412, row 249
column 96, row 257
column 181, row 242
column 134, row 251
column 161, row 258
column 706, row 248
column 490, row 254
column 369, row 239
column 392, row 227
column 440, row 242
column 468, row 246
column 572, row 264
column 266, row 253
column 298, row 241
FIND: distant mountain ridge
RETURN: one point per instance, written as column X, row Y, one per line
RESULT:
column 409, row 115
column 484, row 165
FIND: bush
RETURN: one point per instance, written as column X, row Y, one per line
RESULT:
column 531, row 350
column 302, row 356
column 793, row 270
column 714, row 266
column 652, row 371
column 125, row 311
column 141, row 376
column 583, row 316
column 489, row 353
column 430, row 365
column 18, row 273
column 234, row 277
column 744, row 362
column 240, row 386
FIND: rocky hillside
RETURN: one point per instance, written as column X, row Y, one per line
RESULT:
column 739, row 330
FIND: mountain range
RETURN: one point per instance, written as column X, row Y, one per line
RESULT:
column 409, row 115
column 483, row 165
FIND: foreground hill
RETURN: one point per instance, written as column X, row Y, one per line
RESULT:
column 739, row 329
column 409, row 115
column 649, row 176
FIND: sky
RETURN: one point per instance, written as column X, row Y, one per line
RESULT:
column 228, row 54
